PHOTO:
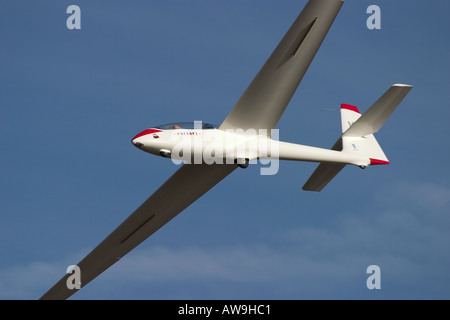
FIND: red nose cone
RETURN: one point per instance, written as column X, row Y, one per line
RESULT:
column 146, row 132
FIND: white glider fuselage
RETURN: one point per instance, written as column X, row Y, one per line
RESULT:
column 213, row 145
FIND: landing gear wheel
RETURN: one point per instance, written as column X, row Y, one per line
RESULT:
column 243, row 163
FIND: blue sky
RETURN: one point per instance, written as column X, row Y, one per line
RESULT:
column 71, row 100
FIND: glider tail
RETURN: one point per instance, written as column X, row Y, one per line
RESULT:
column 358, row 136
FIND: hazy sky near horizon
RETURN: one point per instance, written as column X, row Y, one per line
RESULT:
column 71, row 100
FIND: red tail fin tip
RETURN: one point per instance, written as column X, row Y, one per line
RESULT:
column 349, row 107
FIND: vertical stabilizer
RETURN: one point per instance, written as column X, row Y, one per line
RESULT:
column 366, row 146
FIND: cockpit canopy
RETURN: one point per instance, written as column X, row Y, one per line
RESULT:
column 186, row 125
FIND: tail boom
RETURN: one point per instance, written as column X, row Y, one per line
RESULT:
column 297, row 152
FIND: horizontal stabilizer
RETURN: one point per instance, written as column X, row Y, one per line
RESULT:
column 324, row 173
column 373, row 119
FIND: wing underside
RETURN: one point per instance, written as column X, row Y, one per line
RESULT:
column 263, row 103
column 184, row 187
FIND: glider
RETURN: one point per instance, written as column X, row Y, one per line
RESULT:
column 210, row 153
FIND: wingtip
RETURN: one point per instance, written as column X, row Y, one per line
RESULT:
column 402, row 85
